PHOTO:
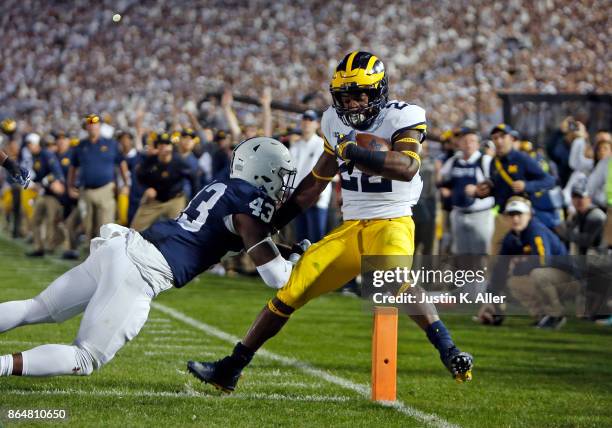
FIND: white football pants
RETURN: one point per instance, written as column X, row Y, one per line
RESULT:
column 115, row 298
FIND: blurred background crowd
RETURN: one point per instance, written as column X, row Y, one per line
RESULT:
column 124, row 110
column 448, row 56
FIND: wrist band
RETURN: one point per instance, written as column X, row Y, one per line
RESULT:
column 373, row 160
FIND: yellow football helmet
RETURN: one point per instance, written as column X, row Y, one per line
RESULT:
column 357, row 73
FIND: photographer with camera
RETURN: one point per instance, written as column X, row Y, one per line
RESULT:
column 559, row 147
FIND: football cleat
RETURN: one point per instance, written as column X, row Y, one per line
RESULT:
column 459, row 364
column 221, row 374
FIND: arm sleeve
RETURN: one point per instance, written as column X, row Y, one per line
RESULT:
column 536, row 179
column 142, row 172
column 487, row 161
column 74, row 158
column 597, row 181
column 406, row 118
column 329, row 143
column 577, row 160
column 55, row 168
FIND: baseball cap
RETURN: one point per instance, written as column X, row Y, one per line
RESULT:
column 33, row 138
column 579, row 189
column 502, row 127
column 465, row 130
column 188, row 132
column 515, row 134
column 220, row 135
column 163, row 138
column 59, row 134
column 517, row 204
column 92, row 118
column 310, row 115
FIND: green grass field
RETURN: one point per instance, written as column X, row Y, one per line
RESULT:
column 315, row 373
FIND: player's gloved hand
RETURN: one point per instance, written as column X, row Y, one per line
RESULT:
column 298, row 249
column 301, row 247
column 17, row 174
column 344, row 147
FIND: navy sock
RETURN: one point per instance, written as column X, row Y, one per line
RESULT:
column 241, row 356
column 439, row 337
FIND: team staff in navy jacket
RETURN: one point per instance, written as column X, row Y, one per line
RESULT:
column 512, row 173
column 540, row 282
column 94, row 161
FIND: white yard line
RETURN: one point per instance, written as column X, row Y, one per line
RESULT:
column 363, row 390
column 189, row 393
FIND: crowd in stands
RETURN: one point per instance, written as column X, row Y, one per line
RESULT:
column 72, row 57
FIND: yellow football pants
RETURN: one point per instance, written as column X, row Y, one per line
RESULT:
column 336, row 259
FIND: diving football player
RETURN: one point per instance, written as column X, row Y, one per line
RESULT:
column 125, row 270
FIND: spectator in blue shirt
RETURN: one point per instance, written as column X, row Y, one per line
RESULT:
column 95, row 159
column 512, row 173
column 187, row 142
column 72, row 218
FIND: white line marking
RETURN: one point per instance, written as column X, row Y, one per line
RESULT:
column 173, row 347
column 173, row 354
column 192, row 340
column 159, row 321
column 363, row 390
column 152, row 330
column 188, row 393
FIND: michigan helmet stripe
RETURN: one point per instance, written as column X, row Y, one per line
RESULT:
column 349, row 63
column 371, row 63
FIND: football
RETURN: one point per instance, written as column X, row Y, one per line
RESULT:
column 373, row 142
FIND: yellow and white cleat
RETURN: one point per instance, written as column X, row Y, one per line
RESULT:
column 459, row 364
column 464, row 377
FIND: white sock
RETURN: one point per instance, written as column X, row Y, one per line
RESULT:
column 6, row 365
column 56, row 360
column 21, row 312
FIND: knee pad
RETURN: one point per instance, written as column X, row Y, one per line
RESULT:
column 86, row 361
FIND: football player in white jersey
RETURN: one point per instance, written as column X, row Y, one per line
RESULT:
column 379, row 190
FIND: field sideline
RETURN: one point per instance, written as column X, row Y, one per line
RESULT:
column 315, row 373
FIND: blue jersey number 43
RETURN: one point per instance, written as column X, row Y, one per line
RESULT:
column 194, row 216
